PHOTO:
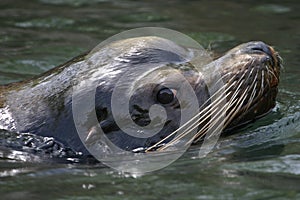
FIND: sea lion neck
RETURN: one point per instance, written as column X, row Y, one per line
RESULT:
column 29, row 102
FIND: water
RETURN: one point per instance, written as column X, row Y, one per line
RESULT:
column 261, row 161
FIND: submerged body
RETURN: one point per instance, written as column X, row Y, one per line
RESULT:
column 44, row 105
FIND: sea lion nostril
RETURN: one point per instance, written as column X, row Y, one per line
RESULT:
column 261, row 47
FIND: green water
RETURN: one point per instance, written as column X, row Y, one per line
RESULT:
column 261, row 161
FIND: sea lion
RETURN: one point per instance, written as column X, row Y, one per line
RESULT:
column 43, row 105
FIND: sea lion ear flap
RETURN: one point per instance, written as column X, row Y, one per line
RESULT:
column 98, row 141
column 96, row 133
column 92, row 136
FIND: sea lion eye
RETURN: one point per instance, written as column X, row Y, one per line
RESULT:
column 166, row 95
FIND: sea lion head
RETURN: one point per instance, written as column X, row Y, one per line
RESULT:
column 151, row 87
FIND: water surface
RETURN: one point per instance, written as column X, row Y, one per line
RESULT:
column 261, row 161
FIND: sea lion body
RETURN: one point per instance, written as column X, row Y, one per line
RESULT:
column 43, row 105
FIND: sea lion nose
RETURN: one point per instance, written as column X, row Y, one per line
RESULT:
column 261, row 47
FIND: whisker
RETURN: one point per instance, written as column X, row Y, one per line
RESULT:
column 192, row 127
column 262, row 87
column 228, row 105
column 236, row 108
column 253, row 88
column 240, row 99
column 203, row 131
column 272, row 73
column 196, row 116
column 207, row 115
column 262, row 80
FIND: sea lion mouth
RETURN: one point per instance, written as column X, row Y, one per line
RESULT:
column 250, row 76
column 261, row 82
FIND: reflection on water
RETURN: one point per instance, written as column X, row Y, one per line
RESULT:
column 259, row 162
